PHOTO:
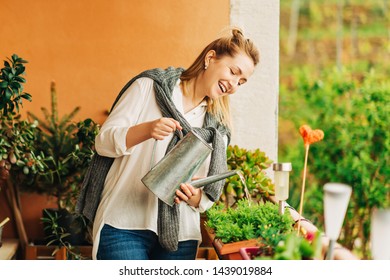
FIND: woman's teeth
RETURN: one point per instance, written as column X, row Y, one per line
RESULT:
column 222, row 87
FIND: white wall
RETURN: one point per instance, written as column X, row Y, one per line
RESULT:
column 255, row 105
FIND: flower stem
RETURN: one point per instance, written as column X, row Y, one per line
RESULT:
column 303, row 187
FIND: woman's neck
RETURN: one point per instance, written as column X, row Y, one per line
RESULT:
column 191, row 95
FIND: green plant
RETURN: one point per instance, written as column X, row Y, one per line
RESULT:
column 69, row 146
column 11, row 85
column 251, row 165
column 296, row 247
column 354, row 114
column 249, row 220
column 17, row 136
column 58, row 236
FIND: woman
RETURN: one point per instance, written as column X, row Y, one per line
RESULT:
column 131, row 222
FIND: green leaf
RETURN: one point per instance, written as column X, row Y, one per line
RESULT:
column 8, row 94
column 19, row 70
column 20, row 79
column 3, row 84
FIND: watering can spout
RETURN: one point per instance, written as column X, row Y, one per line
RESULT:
column 211, row 179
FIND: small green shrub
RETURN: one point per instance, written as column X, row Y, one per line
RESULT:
column 248, row 221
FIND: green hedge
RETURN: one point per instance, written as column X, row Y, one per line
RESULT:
column 354, row 113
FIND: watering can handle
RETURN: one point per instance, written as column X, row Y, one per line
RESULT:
column 155, row 144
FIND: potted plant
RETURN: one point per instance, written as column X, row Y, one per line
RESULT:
column 69, row 146
column 252, row 181
column 248, row 224
column 17, row 136
column 20, row 162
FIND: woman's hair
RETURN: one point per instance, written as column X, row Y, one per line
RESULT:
column 224, row 46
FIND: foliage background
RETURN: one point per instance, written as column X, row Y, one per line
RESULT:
column 334, row 76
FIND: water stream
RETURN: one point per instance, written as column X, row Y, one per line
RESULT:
column 246, row 191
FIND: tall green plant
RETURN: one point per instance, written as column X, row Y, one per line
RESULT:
column 354, row 114
column 70, row 146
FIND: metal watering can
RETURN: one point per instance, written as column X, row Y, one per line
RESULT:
column 178, row 166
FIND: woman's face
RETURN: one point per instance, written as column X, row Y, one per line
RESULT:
column 223, row 76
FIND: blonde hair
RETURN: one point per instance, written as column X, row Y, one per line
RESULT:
column 224, row 46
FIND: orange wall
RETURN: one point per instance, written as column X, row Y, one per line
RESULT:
column 91, row 48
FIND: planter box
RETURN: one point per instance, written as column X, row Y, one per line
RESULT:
column 229, row 251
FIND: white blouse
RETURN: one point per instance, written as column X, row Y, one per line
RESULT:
column 126, row 203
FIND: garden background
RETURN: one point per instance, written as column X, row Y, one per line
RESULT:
column 334, row 75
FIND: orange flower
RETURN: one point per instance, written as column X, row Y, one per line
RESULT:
column 310, row 136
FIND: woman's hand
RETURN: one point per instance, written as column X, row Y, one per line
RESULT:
column 157, row 129
column 188, row 194
column 163, row 127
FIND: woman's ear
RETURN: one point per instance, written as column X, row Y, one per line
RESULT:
column 209, row 56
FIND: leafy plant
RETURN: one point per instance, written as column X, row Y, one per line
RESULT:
column 251, row 165
column 11, row 85
column 296, row 247
column 69, row 146
column 353, row 112
column 58, row 235
column 17, row 136
column 250, row 220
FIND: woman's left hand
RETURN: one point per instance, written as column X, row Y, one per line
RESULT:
column 189, row 194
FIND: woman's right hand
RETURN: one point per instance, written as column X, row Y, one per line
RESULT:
column 163, row 127
column 157, row 129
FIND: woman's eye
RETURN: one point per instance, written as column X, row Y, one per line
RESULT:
column 231, row 71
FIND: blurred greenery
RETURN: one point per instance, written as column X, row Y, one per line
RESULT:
column 338, row 82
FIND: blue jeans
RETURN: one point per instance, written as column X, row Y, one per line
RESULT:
column 120, row 244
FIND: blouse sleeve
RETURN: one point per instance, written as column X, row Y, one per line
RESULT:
column 111, row 140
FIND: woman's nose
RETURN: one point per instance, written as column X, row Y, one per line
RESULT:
column 233, row 84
